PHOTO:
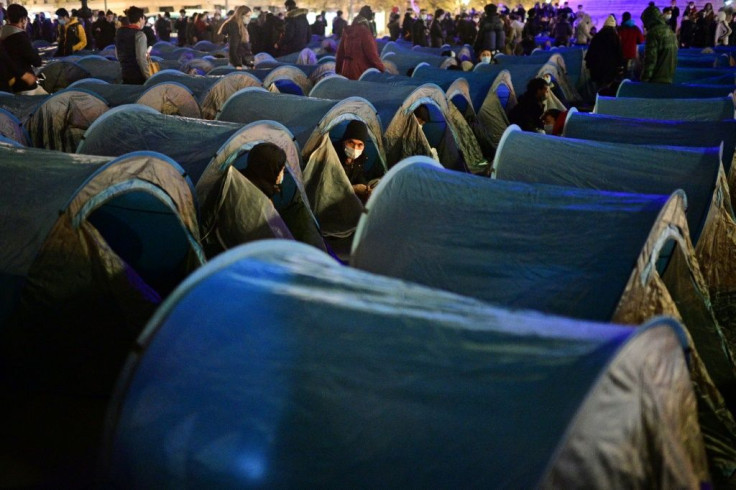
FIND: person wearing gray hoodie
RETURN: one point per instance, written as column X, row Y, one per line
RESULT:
column 18, row 46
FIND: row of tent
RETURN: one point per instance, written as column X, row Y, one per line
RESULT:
column 401, row 377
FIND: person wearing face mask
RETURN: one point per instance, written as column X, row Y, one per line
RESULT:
column 485, row 56
column 72, row 37
column 554, row 121
column 235, row 28
column 131, row 48
column 18, row 46
column 350, row 149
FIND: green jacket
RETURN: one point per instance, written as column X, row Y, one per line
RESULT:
column 660, row 54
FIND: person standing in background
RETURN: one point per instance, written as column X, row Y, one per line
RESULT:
column 18, row 45
column 131, row 48
column 181, row 28
column 338, row 24
column 72, row 37
column 660, row 54
column 238, row 38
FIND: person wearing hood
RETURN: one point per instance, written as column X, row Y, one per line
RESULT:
column 296, row 29
column 660, row 52
column 18, row 46
column 357, row 50
column 604, row 57
column 131, row 48
column 235, row 28
column 490, row 35
column 72, row 37
column 351, row 152
column 266, row 170
column 723, row 30
column 527, row 113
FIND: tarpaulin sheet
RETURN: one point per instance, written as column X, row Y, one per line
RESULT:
column 673, row 91
column 315, row 375
column 683, row 110
column 644, row 169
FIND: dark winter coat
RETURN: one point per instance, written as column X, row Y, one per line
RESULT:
column 296, row 32
column 22, row 53
column 605, row 58
column 357, row 51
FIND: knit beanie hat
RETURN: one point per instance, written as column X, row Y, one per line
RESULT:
column 610, row 21
column 356, row 130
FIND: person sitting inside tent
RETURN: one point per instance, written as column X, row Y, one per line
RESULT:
column 554, row 121
column 266, row 170
column 527, row 113
column 351, row 151
column 422, row 115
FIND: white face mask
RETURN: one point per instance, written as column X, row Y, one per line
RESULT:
column 548, row 128
column 352, row 153
column 62, row 22
column 485, row 59
column 667, row 17
column 246, row 19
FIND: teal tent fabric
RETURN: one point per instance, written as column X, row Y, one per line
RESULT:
column 614, row 129
column 478, row 83
column 554, row 249
column 191, row 143
column 60, row 74
column 406, row 61
column 314, row 375
column 673, row 91
column 690, row 75
column 715, row 109
column 645, row 169
column 101, row 68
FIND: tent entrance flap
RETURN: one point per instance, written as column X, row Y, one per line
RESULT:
column 144, row 231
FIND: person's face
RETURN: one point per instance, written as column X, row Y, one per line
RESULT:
column 542, row 93
column 280, row 176
column 548, row 119
column 355, row 144
column 109, row 18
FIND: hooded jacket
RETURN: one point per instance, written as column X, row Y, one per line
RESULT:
column 296, row 31
column 660, row 54
column 22, row 53
column 357, row 51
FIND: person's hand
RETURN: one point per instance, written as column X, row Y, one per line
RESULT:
column 29, row 78
column 362, row 191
